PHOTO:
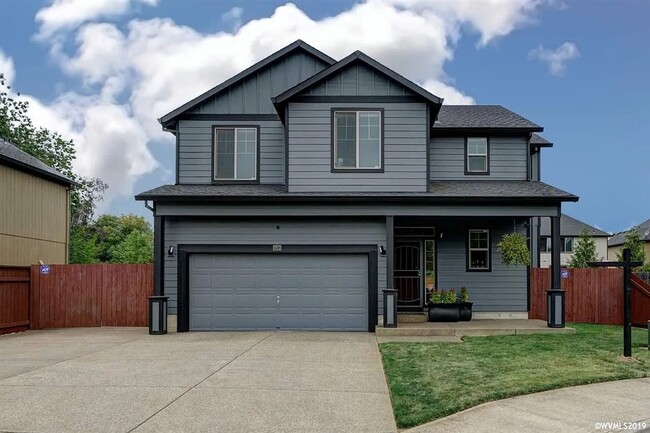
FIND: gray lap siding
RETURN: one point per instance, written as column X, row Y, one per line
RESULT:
column 253, row 231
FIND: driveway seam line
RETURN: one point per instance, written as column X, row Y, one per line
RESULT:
column 200, row 382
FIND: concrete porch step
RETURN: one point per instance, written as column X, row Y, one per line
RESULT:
column 472, row 328
column 411, row 317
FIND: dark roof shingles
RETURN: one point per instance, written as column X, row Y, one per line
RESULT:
column 644, row 233
column 12, row 153
column 481, row 116
column 570, row 226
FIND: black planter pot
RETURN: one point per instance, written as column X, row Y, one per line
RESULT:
column 465, row 309
column 444, row 312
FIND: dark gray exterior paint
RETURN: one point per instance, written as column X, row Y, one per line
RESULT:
column 358, row 80
column 507, row 158
column 255, row 231
column 196, row 142
column 404, row 150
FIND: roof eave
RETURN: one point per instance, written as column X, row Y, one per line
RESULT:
column 10, row 162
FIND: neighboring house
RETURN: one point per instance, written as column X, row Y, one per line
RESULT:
column 615, row 243
column 570, row 231
column 35, row 211
column 305, row 186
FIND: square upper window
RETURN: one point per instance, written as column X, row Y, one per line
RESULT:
column 357, row 140
column 235, row 154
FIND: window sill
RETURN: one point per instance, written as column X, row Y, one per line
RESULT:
column 477, row 173
column 231, row 182
column 357, row 170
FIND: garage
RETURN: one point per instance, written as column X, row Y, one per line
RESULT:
column 294, row 290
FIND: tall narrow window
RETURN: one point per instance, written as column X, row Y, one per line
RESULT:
column 567, row 245
column 478, row 250
column 477, row 155
column 235, row 154
column 357, row 140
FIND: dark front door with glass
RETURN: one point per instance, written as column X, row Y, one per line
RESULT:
column 408, row 274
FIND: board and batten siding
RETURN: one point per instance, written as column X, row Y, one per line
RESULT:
column 316, row 231
column 358, row 80
column 504, row 289
column 253, row 94
column 507, row 155
column 195, row 150
column 34, row 219
column 310, row 149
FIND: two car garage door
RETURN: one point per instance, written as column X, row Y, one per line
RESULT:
column 278, row 291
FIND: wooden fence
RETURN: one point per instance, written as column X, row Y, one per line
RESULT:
column 14, row 299
column 74, row 296
column 592, row 296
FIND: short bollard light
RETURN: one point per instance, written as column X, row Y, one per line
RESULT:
column 555, row 308
column 158, row 315
column 390, row 308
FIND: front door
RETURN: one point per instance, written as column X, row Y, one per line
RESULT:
column 408, row 274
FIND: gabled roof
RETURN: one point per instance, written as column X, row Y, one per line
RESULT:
column 570, row 226
column 297, row 45
column 502, row 191
column 539, row 141
column 619, row 238
column 453, row 117
column 14, row 157
column 355, row 57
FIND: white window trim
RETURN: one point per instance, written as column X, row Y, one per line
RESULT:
column 214, row 145
column 487, row 146
column 356, row 167
column 470, row 249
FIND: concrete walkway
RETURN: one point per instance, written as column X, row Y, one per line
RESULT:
column 123, row 380
column 578, row 409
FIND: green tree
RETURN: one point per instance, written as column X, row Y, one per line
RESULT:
column 83, row 246
column 585, row 251
column 634, row 242
column 135, row 248
column 51, row 148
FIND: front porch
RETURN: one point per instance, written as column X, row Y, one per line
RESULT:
column 477, row 327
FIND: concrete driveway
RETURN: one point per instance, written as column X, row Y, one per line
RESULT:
column 123, row 380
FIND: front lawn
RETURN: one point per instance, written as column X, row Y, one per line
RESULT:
column 432, row 380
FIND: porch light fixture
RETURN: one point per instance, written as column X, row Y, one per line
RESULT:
column 390, row 308
column 382, row 250
column 158, row 315
column 170, row 251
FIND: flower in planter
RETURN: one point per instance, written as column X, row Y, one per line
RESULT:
column 464, row 294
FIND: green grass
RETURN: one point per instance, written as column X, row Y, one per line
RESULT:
column 432, row 380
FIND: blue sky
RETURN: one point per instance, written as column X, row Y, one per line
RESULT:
column 102, row 74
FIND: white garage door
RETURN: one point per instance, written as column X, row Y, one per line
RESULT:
column 279, row 291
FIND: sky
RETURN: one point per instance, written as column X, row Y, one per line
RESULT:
column 101, row 72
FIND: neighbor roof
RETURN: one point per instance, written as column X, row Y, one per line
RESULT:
column 461, row 190
column 619, row 238
column 570, row 226
column 169, row 118
column 482, row 117
column 355, row 57
column 14, row 157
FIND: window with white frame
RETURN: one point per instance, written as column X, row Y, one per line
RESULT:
column 566, row 245
column 235, row 154
column 357, row 140
column 478, row 250
column 477, row 155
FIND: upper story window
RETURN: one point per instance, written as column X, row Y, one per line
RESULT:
column 478, row 250
column 235, row 153
column 476, row 155
column 357, row 140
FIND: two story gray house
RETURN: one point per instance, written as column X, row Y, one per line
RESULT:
column 306, row 186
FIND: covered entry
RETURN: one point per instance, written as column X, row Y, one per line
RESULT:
column 294, row 288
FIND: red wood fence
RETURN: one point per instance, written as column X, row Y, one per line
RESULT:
column 14, row 299
column 592, row 296
column 91, row 295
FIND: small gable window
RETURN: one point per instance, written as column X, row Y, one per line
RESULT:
column 235, row 154
column 476, row 151
column 357, row 140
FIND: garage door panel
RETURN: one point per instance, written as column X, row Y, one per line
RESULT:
column 316, row 291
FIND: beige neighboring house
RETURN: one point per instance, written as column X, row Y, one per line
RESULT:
column 34, row 210
column 615, row 244
column 570, row 229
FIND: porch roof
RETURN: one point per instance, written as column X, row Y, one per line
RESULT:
column 439, row 191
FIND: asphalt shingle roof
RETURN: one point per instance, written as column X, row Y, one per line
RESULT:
column 481, row 116
column 570, row 226
column 463, row 189
column 16, row 157
column 644, row 233
column 539, row 140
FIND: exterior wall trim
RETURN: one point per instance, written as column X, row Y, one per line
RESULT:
column 184, row 251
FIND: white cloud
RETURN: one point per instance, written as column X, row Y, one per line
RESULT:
column 67, row 14
column 556, row 59
column 137, row 74
column 233, row 17
column 7, row 68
